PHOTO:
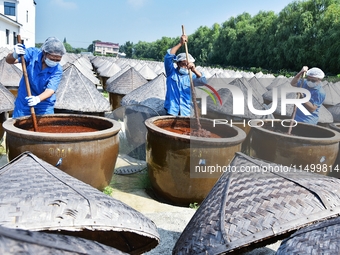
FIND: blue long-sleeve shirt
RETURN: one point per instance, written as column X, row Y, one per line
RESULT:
column 178, row 93
column 39, row 80
column 318, row 96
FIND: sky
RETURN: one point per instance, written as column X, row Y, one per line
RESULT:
column 119, row 21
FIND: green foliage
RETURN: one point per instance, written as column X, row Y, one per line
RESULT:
column 2, row 148
column 144, row 181
column 194, row 206
column 108, row 190
column 68, row 47
column 333, row 79
column 105, row 94
column 127, row 48
column 305, row 32
column 38, row 45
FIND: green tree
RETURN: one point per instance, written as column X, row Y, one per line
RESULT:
column 328, row 46
column 38, row 45
column 305, row 32
column 91, row 46
column 223, row 42
column 68, row 48
column 242, row 45
column 201, row 43
column 261, row 41
column 142, row 50
column 127, row 48
column 160, row 47
column 300, row 34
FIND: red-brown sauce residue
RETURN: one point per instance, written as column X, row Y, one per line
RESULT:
column 64, row 129
column 192, row 132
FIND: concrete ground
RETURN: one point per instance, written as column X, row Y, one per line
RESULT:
column 132, row 190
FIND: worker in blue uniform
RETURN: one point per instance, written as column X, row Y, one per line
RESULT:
column 44, row 74
column 178, row 94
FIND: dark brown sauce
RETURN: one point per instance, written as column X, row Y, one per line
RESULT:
column 192, row 132
column 64, row 129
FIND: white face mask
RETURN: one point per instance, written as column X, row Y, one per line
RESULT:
column 50, row 63
column 312, row 84
column 183, row 71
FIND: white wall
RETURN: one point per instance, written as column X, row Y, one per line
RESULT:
column 26, row 17
column 22, row 23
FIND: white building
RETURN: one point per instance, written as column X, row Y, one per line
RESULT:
column 105, row 48
column 17, row 17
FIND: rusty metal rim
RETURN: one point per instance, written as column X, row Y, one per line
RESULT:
column 149, row 123
column 322, row 140
column 9, row 127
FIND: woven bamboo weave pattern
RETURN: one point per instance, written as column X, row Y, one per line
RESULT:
column 37, row 196
column 320, row 238
column 17, row 241
column 244, row 210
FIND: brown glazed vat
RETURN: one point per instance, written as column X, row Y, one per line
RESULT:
column 177, row 163
column 87, row 156
column 235, row 121
column 115, row 100
column 309, row 147
column 2, row 120
column 335, row 173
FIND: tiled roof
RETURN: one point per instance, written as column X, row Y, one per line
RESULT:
column 107, row 44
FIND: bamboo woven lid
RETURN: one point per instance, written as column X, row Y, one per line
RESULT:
column 246, row 210
column 18, row 241
column 77, row 93
column 10, row 75
column 37, row 196
column 6, row 99
column 126, row 82
column 320, row 238
column 151, row 94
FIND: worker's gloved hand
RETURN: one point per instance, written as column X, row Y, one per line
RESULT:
column 32, row 100
column 19, row 50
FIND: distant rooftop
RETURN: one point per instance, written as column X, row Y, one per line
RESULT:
column 113, row 45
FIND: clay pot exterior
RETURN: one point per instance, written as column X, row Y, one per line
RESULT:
column 13, row 90
column 308, row 147
column 2, row 119
column 115, row 100
column 177, row 163
column 87, row 156
column 234, row 121
column 335, row 173
column 103, row 80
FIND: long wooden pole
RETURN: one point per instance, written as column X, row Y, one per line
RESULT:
column 295, row 108
column 193, row 93
column 28, row 88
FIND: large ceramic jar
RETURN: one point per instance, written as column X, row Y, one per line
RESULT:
column 83, row 146
column 183, row 168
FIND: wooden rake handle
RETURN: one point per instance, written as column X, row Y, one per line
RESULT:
column 28, row 88
column 193, row 93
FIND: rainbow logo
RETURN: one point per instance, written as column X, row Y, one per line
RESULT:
column 210, row 94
